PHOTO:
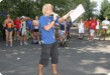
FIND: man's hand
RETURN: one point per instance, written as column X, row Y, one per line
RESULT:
column 4, row 25
column 55, row 16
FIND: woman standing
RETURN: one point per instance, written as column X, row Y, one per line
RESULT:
column 8, row 24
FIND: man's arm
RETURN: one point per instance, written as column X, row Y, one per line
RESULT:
column 4, row 25
column 65, row 17
column 62, row 19
column 49, row 26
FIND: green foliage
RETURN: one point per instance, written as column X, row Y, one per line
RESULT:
column 89, row 6
column 105, row 9
column 32, row 8
column 107, row 13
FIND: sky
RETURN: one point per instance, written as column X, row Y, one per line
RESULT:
column 99, row 3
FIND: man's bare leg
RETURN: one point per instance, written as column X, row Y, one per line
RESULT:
column 40, row 69
column 54, row 69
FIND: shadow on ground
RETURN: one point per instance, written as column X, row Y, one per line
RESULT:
column 82, row 57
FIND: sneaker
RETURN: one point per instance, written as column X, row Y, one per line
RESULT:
column 11, row 45
column 21, row 43
column 36, row 43
column 6, row 45
column 25, row 43
column 33, row 42
column 65, row 44
column 18, row 38
column 14, row 38
column 40, row 42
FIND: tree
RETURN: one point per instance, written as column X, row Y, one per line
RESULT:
column 107, row 13
column 60, row 6
column 17, row 7
column 88, row 5
column 105, row 9
column 32, row 8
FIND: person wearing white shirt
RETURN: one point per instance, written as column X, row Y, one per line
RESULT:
column 23, row 32
column 81, row 29
column 105, row 25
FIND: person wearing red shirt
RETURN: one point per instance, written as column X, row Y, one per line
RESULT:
column 17, row 23
column 93, row 24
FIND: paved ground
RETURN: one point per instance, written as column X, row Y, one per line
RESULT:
column 82, row 57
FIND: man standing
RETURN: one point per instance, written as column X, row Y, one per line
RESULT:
column 93, row 24
column 49, row 45
column 105, row 25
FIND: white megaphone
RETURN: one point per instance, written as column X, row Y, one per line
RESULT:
column 55, row 14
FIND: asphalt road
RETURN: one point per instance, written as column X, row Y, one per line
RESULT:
column 82, row 57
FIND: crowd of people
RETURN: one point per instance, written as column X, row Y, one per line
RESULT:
column 23, row 27
column 20, row 27
column 93, row 28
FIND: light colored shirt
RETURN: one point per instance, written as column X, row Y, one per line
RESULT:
column 105, row 24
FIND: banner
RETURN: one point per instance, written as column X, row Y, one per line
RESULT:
column 77, row 12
